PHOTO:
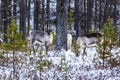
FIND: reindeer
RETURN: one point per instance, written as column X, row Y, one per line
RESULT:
column 69, row 41
column 40, row 38
column 88, row 39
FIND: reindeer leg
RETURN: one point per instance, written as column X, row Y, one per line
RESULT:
column 37, row 47
column 84, row 51
column 29, row 47
column 33, row 50
column 46, row 47
column 33, row 43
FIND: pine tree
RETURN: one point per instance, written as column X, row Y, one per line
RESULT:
column 70, row 19
column 108, row 41
column 15, row 41
column 76, row 47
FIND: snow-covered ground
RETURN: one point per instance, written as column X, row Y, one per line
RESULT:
column 59, row 65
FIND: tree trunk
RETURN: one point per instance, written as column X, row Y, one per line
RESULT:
column 4, row 18
column 36, row 14
column 115, row 11
column 0, row 18
column 69, row 6
column 28, row 16
column 23, row 18
column 89, row 15
column 100, row 14
column 105, row 11
column 5, row 15
column 14, row 8
column 95, row 14
column 77, row 14
column 43, row 15
column 48, row 14
column 61, row 29
column 28, row 12
column 84, row 18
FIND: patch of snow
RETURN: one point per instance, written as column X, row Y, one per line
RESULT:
column 62, row 65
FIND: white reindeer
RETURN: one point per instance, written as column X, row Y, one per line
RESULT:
column 69, row 41
column 41, row 38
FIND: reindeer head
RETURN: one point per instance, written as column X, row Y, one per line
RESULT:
column 49, row 31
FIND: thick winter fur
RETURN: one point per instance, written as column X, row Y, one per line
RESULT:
column 41, row 38
column 69, row 41
column 88, row 39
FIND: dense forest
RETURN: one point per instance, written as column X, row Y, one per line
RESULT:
column 66, row 53
column 81, row 15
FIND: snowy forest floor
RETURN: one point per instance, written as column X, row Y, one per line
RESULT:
column 59, row 65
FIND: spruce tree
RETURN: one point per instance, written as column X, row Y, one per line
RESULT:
column 15, row 42
column 108, row 40
column 76, row 47
column 70, row 19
